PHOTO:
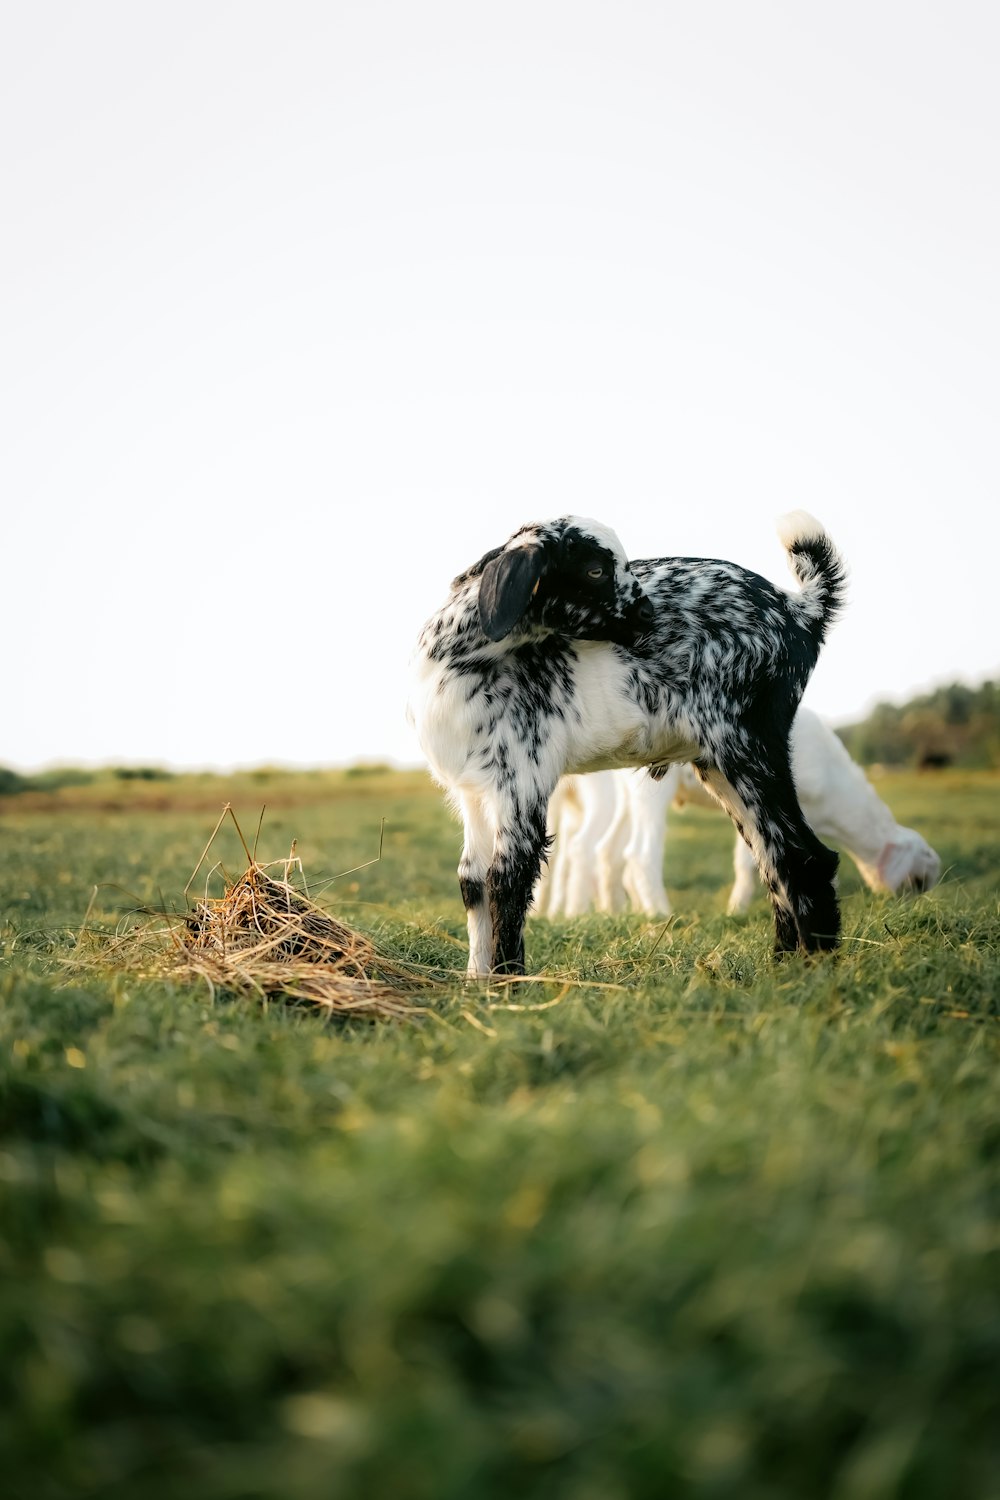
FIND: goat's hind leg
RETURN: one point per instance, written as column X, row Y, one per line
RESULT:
column 809, row 870
column 797, row 869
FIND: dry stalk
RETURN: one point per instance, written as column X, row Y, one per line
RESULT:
column 264, row 939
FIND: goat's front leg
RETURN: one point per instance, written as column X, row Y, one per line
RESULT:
column 518, row 852
column 477, row 854
column 649, row 800
column 609, row 856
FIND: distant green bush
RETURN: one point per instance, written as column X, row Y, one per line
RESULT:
column 58, row 776
column 13, row 782
column 953, row 725
column 141, row 773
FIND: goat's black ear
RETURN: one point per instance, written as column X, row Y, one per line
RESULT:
column 508, row 583
column 476, row 569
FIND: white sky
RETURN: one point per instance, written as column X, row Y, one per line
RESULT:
column 303, row 306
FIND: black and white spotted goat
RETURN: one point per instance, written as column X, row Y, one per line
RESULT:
column 554, row 654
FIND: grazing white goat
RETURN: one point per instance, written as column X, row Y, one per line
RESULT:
column 610, row 830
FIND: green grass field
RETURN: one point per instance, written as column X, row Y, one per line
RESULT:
column 692, row 1224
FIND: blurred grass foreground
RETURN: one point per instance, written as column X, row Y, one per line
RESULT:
column 673, row 1222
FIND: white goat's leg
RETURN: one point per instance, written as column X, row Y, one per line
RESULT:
column 597, row 798
column 745, row 882
column 567, row 820
column 610, row 851
column 643, row 876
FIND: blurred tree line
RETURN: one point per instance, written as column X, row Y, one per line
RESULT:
column 12, row 782
column 954, row 725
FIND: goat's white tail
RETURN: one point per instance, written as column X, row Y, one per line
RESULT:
column 818, row 567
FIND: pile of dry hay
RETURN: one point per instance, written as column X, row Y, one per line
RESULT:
column 264, row 939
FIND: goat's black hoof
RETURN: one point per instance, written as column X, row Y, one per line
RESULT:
column 821, row 942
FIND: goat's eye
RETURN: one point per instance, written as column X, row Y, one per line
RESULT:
column 595, row 572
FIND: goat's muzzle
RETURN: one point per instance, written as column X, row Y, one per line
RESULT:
column 629, row 623
column 638, row 621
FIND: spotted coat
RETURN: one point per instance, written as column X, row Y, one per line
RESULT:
column 554, row 654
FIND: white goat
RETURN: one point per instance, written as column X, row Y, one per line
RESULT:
column 610, row 830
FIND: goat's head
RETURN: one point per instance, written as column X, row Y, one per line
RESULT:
column 569, row 577
column 908, row 863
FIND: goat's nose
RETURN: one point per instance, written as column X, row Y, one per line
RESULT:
column 646, row 613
